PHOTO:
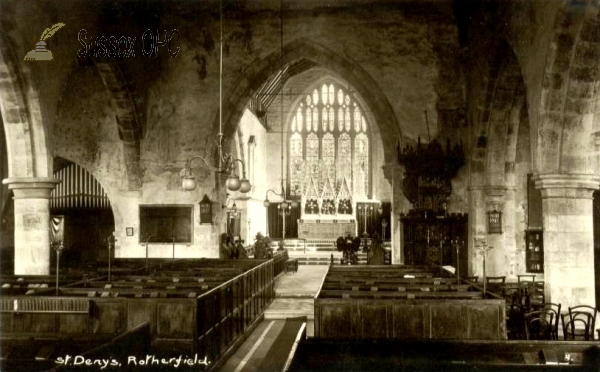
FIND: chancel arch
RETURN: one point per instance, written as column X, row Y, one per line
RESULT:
column 303, row 54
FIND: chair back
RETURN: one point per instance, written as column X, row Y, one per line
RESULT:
column 555, row 308
column 495, row 279
column 496, row 284
column 537, row 297
column 580, row 311
column 539, row 324
column 526, row 278
column 515, row 322
column 577, row 326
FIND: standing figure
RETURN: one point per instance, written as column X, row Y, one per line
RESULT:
column 240, row 250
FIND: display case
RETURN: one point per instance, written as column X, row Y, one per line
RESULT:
column 534, row 253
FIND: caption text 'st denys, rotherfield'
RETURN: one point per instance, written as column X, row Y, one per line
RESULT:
column 141, row 361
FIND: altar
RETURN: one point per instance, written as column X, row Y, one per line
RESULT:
column 325, row 228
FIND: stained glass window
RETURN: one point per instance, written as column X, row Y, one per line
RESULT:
column 344, row 157
column 312, row 157
column 329, row 148
column 328, row 156
column 296, row 161
column 361, row 164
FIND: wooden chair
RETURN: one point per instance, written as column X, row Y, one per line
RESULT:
column 550, row 306
column 515, row 322
column 576, row 326
column 587, row 313
column 496, row 284
column 526, row 278
column 539, row 325
column 537, row 298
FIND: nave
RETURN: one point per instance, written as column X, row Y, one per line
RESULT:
column 294, row 298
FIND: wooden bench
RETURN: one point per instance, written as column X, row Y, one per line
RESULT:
column 445, row 355
column 381, row 303
column 399, row 294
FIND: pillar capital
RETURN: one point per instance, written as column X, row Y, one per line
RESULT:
column 494, row 196
column 31, row 187
column 571, row 186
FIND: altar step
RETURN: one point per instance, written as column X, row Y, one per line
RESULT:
column 307, row 245
column 315, row 251
column 323, row 258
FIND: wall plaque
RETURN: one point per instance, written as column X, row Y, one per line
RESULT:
column 495, row 222
column 205, row 210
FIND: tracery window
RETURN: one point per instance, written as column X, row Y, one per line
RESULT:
column 329, row 148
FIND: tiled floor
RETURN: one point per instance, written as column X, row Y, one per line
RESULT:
column 294, row 297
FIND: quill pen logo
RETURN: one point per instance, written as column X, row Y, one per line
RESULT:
column 40, row 53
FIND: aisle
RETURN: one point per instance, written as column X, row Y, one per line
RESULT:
column 294, row 294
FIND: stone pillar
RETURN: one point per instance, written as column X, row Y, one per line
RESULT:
column 32, row 224
column 568, row 237
column 497, row 263
column 398, row 206
column 477, row 228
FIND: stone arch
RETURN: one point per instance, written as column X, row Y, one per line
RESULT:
column 568, row 129
column 126, row 115
column 506, row 101
column 260, row 70
column 25, row 133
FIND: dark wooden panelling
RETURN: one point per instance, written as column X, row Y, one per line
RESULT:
column 175, row 319
column 140, row 311
column 484, row 322
column 71, row 323
column 409, row 320
column 426, row 318
column 110, row 315
column 374, row 320
column 339, row 320
column 449, row 320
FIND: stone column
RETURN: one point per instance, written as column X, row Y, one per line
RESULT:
column 568, row 237
column 398, row 206
column 496, row 261
column 32, row 224
column 477, row 228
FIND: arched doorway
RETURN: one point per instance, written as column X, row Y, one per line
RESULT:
column 87, row 215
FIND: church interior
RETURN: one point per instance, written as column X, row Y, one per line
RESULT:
column 414, row 144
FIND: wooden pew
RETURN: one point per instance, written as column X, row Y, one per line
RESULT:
column 381, row 303
column 399, row 294
column 31, row 353
column 317, row 355
column 51, row 315
column 409, row 287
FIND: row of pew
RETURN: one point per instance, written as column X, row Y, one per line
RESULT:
column 194, row 307
column 385, row 302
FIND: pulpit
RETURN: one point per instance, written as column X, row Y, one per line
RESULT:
column 432, row 241
column 431, row 236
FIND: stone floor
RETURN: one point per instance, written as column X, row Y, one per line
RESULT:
column 294, row 294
